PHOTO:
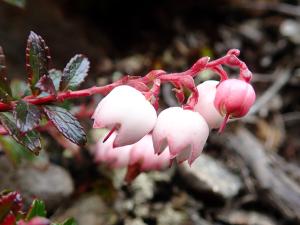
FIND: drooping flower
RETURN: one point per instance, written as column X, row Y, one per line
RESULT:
column 183, row 131
column 143, row 153
column 234, row 98
column 113, row 157
column 140, row 154
column 126, row 110
column 205, row 105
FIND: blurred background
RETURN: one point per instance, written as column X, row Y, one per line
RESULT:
column 248, row 175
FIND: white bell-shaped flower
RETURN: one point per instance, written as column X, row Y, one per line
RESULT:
column 205, row 105
column 184, row 131
column 127, row 111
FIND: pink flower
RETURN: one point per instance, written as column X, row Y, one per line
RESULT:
column 205, row 105
column 35, row 221
column 140, row 153
column 113, row 157
column 143, row 152
column 234, row 98
column 183, row 131
column 126, row 110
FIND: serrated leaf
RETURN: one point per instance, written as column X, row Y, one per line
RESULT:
column 30, row 140
column 55, row 75
column 5, row 91
column 37, row 60
column 75, row 72
column 46, row 84
column 66, row 124
column 18, row 3
column 37, row 208
column 26, row 115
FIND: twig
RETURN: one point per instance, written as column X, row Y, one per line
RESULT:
column 277, row 188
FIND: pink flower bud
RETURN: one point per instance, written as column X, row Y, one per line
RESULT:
column 183, row 131
column 205, row 105
column 126, row 110
column 234, row 97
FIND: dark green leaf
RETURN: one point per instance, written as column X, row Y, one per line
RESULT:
column 66, row 123
column 55, row 75
column 5, row 92
column 46, row 84
column 37, row 60
column 37, row 209
column 75, row 72
column 18, row 3
column 26, row 115
column 31, row 139
column 14, row 151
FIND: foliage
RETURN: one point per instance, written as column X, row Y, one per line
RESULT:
column 23, row 118
column 11, row 211
column 18, row 3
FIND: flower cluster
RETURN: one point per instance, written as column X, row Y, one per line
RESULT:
column 138, row 136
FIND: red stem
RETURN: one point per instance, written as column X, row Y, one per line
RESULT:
column 230, row 59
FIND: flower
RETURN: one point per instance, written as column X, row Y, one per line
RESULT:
column 183, row 131
column 205, row 105
column 126, row 110
column 141, row 154
column 113, row 157
column 234, row 98
column 35, row 221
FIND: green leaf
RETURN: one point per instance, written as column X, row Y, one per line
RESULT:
column 37, row 60
column 69, row 221
column 26, row 115
column 66, row 124
column 37, row 208
column 46, row 84
column 55, row 75
column 5, row 92
column 14, row 151
column 18, row 3
column 31, row 139
column 19, row 88
column 75, row 72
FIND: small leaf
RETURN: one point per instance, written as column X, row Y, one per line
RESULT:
column 69, row 221
column 37, row 208
column 46, row 84
column 14, row 151
column 55, row 75
column 18, row 3
column 66, row 124
column 31, row 139
column 5, row 92
column 75, row 72
column 37, row 60
column 26, row 115
column 10, row 203
column 19, row 89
